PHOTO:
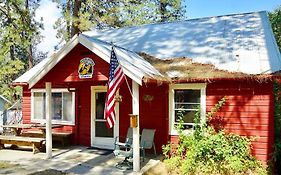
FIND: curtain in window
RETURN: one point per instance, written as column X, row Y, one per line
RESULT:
column 39, row 105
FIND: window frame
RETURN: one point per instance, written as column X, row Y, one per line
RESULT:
column 55, row 90
column 190, row 86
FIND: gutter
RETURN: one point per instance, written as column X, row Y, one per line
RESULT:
column 19, row 84
column 257, row 78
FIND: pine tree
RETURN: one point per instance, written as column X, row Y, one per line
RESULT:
column 275, row 19
column 170, row 10
column 19, row 34
column 83, row 15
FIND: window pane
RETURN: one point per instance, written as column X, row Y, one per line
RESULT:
column 102, row 130
column 187, row 96
column 68, row 107
column 62, row 106
column 57, row 106
column 39, row 105
column 187, row 116
column 187, row 106
column 100, row 102
column 187, row 102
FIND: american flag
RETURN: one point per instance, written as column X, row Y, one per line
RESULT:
column 116, row 77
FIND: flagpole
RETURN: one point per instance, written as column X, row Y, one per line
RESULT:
column 135, row 109
column 136, row 131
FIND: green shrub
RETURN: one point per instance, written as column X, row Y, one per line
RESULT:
column 276, row 157
column 211, row 151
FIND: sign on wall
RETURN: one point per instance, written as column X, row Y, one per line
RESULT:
column 86, row 68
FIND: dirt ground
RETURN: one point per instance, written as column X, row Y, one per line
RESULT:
column 67, row 161
column 50, row 172
column 7, row 166
column 158, row 169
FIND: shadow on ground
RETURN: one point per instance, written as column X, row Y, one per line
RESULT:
column 65, row 161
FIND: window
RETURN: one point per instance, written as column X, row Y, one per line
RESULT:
column 185, row 101
column 63, row 106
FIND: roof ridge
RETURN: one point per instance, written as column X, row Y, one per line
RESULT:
column 177, row 21
column 232, row 14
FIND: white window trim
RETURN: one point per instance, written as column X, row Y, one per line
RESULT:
column 172, row 88
column 53, row 121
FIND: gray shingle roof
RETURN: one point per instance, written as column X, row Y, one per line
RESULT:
column 239, row 42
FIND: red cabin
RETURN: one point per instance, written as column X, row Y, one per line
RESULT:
column 174, row 67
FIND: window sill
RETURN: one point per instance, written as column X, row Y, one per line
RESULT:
column 186, row 132
column 54, row 122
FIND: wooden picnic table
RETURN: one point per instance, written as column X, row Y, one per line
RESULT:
column 17, row 128
column 22, row 139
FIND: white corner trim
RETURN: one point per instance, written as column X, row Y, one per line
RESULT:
column 200, row 86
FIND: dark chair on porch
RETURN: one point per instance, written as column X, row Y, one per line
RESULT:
column 124, row 143
column 147, row 141
column 124, row 149
column 128, row 154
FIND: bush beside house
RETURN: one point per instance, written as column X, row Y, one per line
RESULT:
column 209, row 150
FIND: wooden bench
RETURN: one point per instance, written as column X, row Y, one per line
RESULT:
column 62, row 137
column 32, row 133
column 36, row 143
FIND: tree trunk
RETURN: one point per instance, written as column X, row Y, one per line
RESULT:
column 76, row 9
column 162, row 10
column 12, row 52
column 30, row 57
column 68, row 23
column 29, row 49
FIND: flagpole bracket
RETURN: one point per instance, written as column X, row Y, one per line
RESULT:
column 118, row 98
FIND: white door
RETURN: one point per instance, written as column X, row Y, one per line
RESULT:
column 101, row 136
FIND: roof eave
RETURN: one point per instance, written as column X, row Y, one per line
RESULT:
column 19, row 83
column 55, row 58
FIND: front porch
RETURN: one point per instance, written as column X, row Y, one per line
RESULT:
column 69, row 160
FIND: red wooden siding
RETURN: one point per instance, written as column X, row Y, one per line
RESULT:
column 248, row 111
column 125, row 108
column 26, row 104
column 65, row 74
column 66, row 71
column 84, row 114
column 154, row 112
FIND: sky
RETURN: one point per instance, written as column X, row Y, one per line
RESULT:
column 207, row 8
column 194, row 9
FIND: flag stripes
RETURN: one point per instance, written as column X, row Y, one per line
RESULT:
column 116, row 77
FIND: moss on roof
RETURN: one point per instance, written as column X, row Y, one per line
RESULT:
column 184, row 69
